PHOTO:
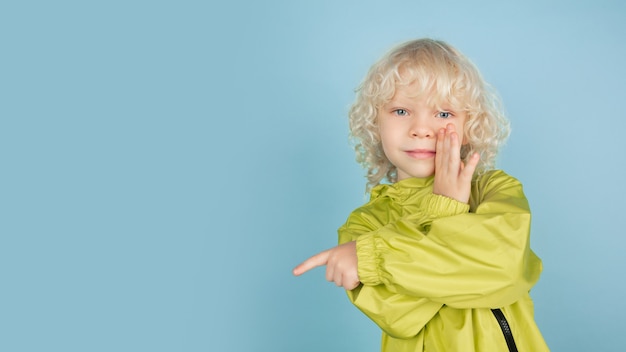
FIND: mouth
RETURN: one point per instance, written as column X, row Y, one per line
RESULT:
column 420, row 153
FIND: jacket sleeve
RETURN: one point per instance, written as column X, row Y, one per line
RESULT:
column 397, row 314
column 464, row 259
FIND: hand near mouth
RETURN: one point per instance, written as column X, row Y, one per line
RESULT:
column 452, row 177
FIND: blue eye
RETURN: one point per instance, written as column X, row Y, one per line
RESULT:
column 401, row 112
column 444, row 114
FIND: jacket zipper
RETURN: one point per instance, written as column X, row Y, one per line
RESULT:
column 506, row 329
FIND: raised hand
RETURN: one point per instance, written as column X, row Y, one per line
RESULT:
column 341, row 265
column 452, row 177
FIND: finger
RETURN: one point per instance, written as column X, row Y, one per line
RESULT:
column 352, row 285
column 350, row 282
column 453, row 143
column 440, row 150
column 313, row 262
column 468, row 170
column 330, row 272
column 451, row 152
column 338, row 280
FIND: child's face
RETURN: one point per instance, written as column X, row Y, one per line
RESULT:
column 408, row 130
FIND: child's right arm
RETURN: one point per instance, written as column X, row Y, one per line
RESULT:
column 452, row 180
column 444, row 254
column 462, row 259
column 340, row 262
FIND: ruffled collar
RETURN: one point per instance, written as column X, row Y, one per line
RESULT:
column 403, row 190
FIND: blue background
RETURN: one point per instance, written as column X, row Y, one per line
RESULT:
column 165, row 164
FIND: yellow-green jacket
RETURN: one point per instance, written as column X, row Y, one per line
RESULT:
column 432, row 268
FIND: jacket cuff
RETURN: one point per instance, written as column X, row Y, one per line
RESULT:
column 441, row 206
column 368, row 260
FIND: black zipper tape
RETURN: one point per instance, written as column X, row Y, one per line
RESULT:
column 506, row 329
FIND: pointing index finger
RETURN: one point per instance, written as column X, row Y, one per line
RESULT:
column 319, row 259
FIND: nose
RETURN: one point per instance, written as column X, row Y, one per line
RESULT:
column 420, row 129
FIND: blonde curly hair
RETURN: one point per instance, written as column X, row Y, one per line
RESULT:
column 444, row 75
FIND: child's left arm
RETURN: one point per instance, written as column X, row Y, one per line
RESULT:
column 453, row 178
